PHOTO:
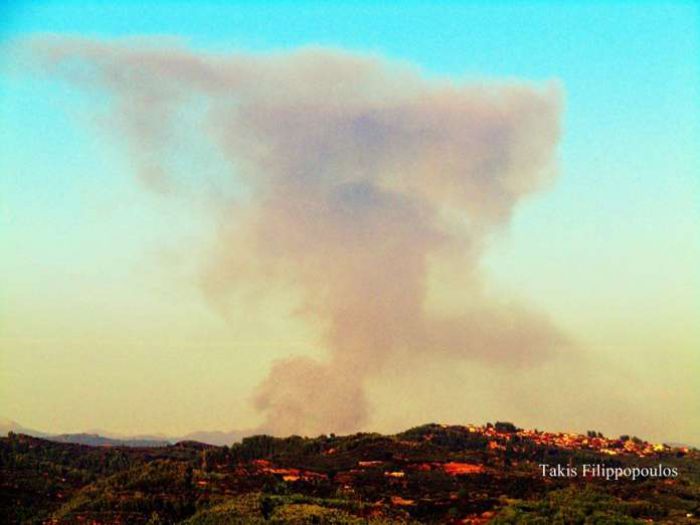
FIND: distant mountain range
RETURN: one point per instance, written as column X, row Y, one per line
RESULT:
column 95, row 440
column 7, row 426
column 103, row 438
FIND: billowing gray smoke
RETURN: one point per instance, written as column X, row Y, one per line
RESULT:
column 361, row 176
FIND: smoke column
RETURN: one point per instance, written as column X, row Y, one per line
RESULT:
column 361, row 176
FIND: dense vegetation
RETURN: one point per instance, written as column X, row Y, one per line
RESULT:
column 428, row 474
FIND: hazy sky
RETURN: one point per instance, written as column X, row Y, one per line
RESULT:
column 110, row 316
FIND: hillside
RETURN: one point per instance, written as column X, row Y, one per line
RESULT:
column 96, row 440
column 428, row 474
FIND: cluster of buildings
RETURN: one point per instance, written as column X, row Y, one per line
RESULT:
column 594, row 441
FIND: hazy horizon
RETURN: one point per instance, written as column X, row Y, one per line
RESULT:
column 308, row 218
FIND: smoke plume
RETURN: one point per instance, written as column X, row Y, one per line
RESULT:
column 356, row 177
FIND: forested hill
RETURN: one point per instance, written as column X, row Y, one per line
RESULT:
column 428, row 474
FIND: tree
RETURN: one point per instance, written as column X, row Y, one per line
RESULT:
column 504, row 426
column 267, row 507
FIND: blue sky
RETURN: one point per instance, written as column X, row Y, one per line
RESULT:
column 612, row 250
